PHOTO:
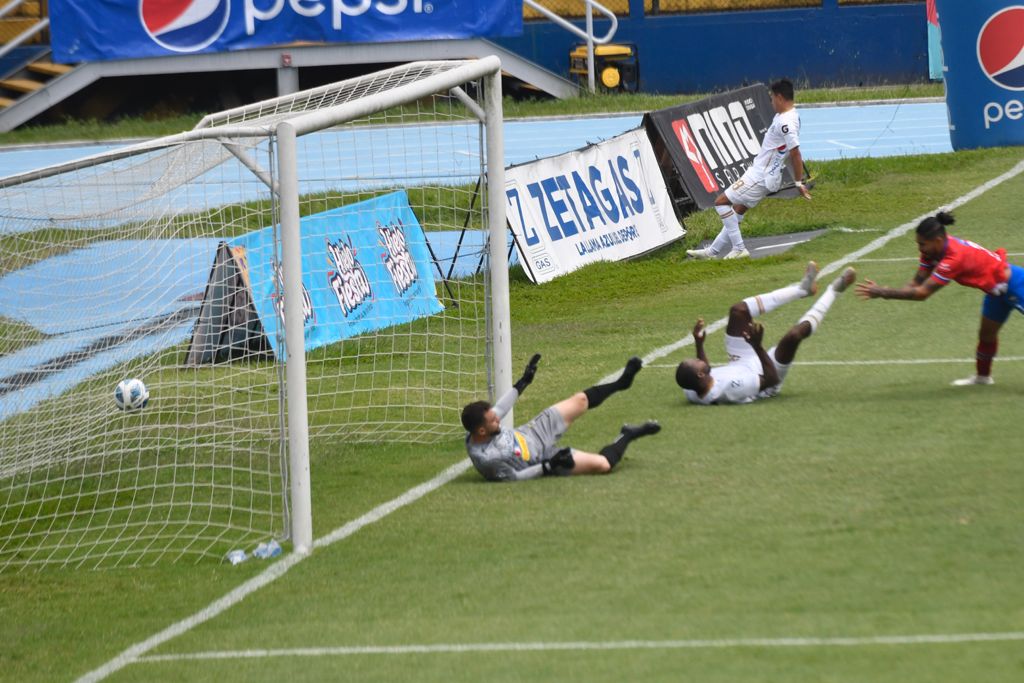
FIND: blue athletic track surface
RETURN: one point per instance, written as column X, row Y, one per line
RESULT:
column 162, row 305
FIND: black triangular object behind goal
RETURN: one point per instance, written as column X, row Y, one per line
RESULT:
column 228, row 327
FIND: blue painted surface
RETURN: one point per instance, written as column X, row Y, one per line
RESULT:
column 708, row 52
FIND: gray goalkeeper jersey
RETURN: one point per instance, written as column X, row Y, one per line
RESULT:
column 504, row 457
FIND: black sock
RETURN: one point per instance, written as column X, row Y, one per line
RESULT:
column 599, row 392
column 614, row 451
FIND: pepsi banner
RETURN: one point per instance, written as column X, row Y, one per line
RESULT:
column 365, row 266
column 128, row 29
column 711, row 142
column 605, row 202
column 983, row 49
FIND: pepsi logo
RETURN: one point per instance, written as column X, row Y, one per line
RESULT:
column 1001, row 48
column 707, row 178
column 184, row 25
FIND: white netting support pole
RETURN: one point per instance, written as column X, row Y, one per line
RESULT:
column 295, row 344
column 501, row 328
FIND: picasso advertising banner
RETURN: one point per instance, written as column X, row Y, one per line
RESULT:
column 365, row 266
column 605, row 202
column 127, row 29
column 711, row 142
column 983, row 47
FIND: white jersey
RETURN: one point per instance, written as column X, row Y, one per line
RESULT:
column 779, row 140
column 735, row 382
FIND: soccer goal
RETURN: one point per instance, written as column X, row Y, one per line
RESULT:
column 317, row 270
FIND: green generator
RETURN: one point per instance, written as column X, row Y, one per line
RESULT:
column 616, row 67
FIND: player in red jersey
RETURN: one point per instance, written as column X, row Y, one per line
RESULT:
column 945, row 259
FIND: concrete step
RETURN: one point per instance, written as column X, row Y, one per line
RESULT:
column 21, row 85
column 49, row 68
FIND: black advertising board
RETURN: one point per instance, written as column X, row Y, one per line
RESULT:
column 705, row 146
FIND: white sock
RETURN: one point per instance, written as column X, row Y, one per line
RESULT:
column 765, row 303
column 721, row 243
column 819, row 309
column 731, row 226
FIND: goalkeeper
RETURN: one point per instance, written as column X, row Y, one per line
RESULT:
column 530, row 451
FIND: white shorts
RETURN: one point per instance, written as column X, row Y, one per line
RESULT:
column 741, row 352
column 746, row 193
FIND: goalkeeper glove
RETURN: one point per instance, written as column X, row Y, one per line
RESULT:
column 560, row 463
column 531, row 370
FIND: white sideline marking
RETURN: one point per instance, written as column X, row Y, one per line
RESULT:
column 914, row 258
column 895, row 361
column 279, row 568
column 780, row 244
column 841, row 144
column 924, row 639
column 271, row 573
column 853, row 256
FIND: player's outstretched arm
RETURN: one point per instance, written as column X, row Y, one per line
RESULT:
column 869, row 289
column 699, row 333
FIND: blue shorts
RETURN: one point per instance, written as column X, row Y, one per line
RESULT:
column 998, row 308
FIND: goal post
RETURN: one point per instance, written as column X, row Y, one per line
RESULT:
column 288, row 278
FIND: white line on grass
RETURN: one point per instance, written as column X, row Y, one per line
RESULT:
column 894, row 361
column 913, row 258
column 853, row 256
column 279, row 568
column 458, row 648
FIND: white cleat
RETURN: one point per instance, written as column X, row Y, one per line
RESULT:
column 809, row 282
column 972, row 380
column 737, row 253
column 845, row 280
column 701, row 254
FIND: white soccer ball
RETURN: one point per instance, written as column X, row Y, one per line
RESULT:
column 131, row 394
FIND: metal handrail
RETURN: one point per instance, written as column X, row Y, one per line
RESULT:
column 10, row 7
column 587, row 35
column 22, row 37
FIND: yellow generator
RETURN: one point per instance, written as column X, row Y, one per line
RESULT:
column 616, row 67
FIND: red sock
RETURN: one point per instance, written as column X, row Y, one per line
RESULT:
column 984, row 356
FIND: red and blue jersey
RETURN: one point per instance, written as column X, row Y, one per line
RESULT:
column 970, row 264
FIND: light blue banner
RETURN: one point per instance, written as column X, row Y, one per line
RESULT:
column 127, row 29
column 365, row 266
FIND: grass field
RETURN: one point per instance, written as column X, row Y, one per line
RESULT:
column 871, row 500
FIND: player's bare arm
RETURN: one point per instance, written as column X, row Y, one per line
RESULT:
column 796, row 161
column 754, row 334
column 699, row 333
column 869, row 289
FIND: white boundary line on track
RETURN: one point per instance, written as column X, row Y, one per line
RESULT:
column 458, row 648
column 281, row 567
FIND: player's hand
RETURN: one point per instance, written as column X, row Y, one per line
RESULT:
column 561, row 462
column 804, row 191
column 754, row 334
column 528, row 374
column 699, row 331
column 867, row 290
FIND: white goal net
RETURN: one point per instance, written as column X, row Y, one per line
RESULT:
column 169, row 262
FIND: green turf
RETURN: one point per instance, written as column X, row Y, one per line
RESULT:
column 864, row 501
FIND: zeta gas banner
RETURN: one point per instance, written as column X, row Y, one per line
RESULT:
column 983, row 48
column 127, row 29
column 712, row 141
column 605, row 202
column 365, row 266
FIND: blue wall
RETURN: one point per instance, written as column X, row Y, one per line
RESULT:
column 830, row 45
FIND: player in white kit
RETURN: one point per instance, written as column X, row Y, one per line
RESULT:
column 781, row 143
column 752, row 372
